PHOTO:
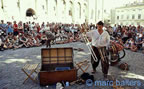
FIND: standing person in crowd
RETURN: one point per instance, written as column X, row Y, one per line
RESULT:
column 50, row 37
column 20, row 27
column 114, row 30
column 125, row 36
column 25, row 27
column 10, row 28
column 15, row 26
column 3, row 26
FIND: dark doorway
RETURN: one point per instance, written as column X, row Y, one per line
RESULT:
column 30, row 12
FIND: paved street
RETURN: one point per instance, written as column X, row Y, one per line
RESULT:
column 11, row 62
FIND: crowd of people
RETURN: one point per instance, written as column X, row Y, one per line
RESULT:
column 15, row 35
column 131, row 37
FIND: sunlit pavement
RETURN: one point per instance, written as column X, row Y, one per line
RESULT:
column 11, row 62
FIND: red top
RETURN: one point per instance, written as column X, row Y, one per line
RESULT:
column 15, row 26
column 38, row 29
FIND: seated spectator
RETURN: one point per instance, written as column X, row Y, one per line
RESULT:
column 16, row 44
column 8, row 44
column 133, row 46
column 30, row 42
column 127, row 44
column 23, row 40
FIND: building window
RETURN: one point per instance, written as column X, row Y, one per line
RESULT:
column 2, row 5
column 70, row 12
column 71, row 9
column 43, row 7
column 127, row 16
column 18, row 4
column 121, row 16
column 133, row 16
column 139, row 16
column 117, row 17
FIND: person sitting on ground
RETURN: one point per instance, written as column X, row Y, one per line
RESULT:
column 133, row 46
column 37, row 41
column 16, row 44
column 43, row 38
column 23, row 40
column 127, row 44
column 8, row 43
column 30, row 42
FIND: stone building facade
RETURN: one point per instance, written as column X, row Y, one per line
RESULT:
column 130, row 14
column 65, row 11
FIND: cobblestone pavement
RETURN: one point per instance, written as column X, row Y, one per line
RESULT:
column 11, row 62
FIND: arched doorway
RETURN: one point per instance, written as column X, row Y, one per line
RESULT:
column 85, row 12
column 71, row 12
column 30, row 12
column 79, row 10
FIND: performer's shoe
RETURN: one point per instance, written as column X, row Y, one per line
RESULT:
column 93, row 71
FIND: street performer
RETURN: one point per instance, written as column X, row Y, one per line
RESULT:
column 100, row 41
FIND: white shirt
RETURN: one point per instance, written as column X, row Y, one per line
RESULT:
column 114, row 29
column 99, row 40
column 47, row 28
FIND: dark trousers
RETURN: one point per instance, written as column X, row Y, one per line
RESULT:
column 104, row 64
column 48, row 43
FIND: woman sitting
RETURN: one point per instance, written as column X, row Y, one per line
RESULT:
column 16, row 44
column 23, row 40
column 8, row 44
column 133, row 47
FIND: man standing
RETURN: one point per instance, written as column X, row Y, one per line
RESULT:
column 50, row 37
column 100, row 41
